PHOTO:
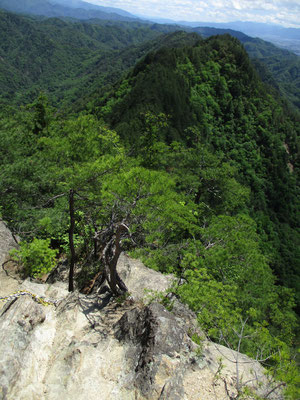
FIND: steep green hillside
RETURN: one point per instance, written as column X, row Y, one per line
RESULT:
column 283, row 64
column 211, row 92
column 68, row 60
column 199, row 179
column 88, row 96
column 56, row 56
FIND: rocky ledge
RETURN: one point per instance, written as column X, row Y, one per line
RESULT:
column 94, row 347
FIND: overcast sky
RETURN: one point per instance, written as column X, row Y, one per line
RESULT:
column 283, row 12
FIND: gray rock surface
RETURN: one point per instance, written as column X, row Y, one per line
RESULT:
column 140, row 279
column 18, row 320
column 7, row 242
column 93, row 347
column 159, row 344
column 8, row 284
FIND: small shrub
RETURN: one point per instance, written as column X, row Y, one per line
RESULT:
column 199, row 340
column 122, row 298
column 159, row 297
column 37, row 258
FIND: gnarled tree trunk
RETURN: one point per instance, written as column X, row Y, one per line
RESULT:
column 109, row 257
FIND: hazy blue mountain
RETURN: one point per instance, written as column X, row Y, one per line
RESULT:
column 65, row 8
column 88, row 6
column 250, row 28
column 288, row 38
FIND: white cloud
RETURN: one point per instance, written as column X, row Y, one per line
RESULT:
column 284, row 12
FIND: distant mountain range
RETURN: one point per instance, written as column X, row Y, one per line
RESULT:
column 78, row 4
column 251, row 28
column 62, row 8
column 282, row 64
column 288, row 38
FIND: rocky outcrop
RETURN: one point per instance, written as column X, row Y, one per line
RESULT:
column 97, row 347
column 7, row 243
column 158, row 350
column 140, row 280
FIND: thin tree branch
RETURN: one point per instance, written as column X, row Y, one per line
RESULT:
column 275, row 388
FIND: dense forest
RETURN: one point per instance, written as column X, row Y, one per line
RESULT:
column 164, row 144
column 72, row 58
column 61, row 57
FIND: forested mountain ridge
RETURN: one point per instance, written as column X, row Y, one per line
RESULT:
column 102, row 50
column 283, row 65
column 199, row 178
column 212, row 89
column 56, row 56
